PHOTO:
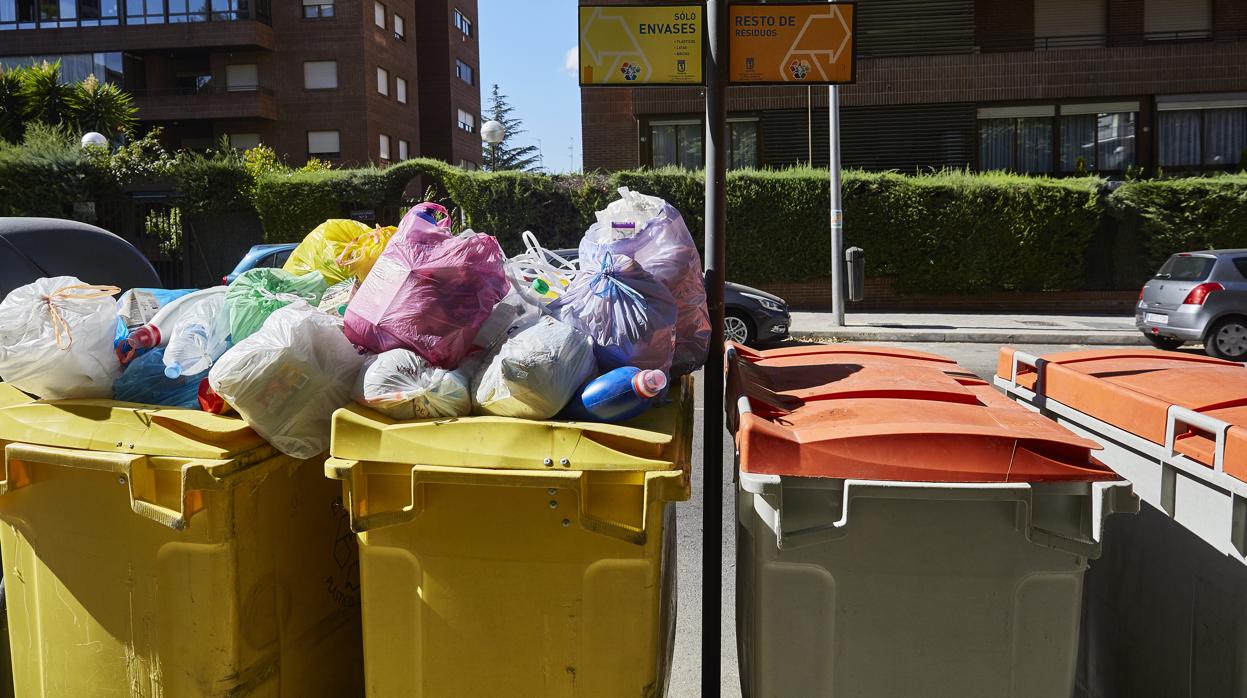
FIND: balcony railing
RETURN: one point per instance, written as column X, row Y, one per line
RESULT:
column 203, row 90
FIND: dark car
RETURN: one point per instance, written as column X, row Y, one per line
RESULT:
column 750, row 316
column 32, row 248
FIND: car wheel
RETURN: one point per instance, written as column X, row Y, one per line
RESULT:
column 1166, row 343
column 1228, row 339
column 738, row 328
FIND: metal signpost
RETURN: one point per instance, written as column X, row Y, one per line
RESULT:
column 717, row 44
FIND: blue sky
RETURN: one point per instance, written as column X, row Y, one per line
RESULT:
column 525, row 47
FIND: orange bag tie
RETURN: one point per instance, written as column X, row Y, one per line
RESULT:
column 356, row 246
column 66, row 293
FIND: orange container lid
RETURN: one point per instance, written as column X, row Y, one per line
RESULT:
column 1133, row 390
column 849, row 411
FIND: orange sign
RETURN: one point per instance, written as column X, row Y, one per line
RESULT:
column 806, row 44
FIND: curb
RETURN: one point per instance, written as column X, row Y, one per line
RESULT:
column 871, row 334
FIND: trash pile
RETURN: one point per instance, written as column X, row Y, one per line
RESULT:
column 415, row 322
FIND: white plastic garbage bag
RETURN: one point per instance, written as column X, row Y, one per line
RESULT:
column 288, row 377
column 535, row 373
column 399, row 383
column 56, row 339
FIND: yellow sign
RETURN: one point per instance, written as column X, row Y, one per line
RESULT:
column 635, row 45
column 809, row 44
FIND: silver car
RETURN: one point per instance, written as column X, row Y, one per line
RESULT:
column 1198, row 297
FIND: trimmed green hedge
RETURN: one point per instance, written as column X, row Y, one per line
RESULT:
column 292, row 203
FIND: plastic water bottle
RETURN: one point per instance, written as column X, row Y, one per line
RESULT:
column 198, row 339
column 617, row 395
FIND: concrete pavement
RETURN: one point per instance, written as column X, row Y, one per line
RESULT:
column 966, row 327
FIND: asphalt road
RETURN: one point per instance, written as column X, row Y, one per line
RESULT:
column 686, row 667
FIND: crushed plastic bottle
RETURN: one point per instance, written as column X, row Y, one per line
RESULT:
column 617, row 396
column 198, row 339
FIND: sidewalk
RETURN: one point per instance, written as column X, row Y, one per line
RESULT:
column 966, row 327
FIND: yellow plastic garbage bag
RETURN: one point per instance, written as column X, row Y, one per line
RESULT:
column 339, row 249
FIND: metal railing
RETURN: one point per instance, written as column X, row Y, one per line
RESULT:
column 209, row 89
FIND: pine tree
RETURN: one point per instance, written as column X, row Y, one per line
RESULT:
column 504, row 156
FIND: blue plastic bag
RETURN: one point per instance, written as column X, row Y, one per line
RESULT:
column 144, row 382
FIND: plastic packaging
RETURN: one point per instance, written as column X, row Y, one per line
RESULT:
column 156, row 333
column 146, row 381
column 430, row 292
column 512, row 314
column 138, row 306
column 200, row 336
column 424, row 218
column 534, row 373
column 339, row 249
column 617, row 396
column 288, row 378
column 651, row 231
column 256, row 294
column 540, row 273
column 399, row 383
column 56, row 338
column 629, row 314
column 338, row 296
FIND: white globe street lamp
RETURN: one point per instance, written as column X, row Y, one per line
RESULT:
column 493, row 132
column 94, row 138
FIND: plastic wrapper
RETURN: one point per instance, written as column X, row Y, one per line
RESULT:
column 652, row 232
column 56, row 339
column 339, row 249
column 288, row 378
column 629, row 314
column 401, row 384
column 426, row 217
column 138, row 306
column 144, row 381
column 258, row 293
column 430, row 292
column 338, row 296
column 535, row 372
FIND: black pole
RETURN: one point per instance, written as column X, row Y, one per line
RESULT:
column 712, row 396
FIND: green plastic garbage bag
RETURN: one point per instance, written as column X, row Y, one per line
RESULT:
column 258, row 293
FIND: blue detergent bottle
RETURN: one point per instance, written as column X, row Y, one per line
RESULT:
column 617, row 395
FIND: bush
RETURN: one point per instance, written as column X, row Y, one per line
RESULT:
column 48, row 172
column 1155, row 219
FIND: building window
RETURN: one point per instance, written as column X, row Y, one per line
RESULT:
column 1177, row 20
column 187, row 11
column 463, row 24
column 400, row 28
column 1069, row 23
column 320, row 75
column 1021, row 144
column 317, row 9
column 1099, row 137
column 1035, row 140
column 744, row 152
column 324, row 144
column 400, row 90
column 676, row 143
column 75, row 67
column 385, row 147
column 467, row 165
column 1208, row 135
column 244, row 141
column 244, row 77
column 383, row 81
column 378, row 15
column 402, row 149
column 145, row 11
column 467, row 122
column 463, row 71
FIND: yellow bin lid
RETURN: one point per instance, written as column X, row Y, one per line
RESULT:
column 658, row 439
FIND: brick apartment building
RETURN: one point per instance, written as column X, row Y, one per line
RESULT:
column 350, row 81
column 1039, row 86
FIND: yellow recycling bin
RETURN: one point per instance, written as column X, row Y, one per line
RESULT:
column 161, row 552
column 507, row 557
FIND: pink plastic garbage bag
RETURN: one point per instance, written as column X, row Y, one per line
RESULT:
column 424, row 218
column 629, row 314
column 429, row 292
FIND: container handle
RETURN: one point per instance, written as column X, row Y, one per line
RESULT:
column 134, row 472
column 1183, row 417
column 577, row 481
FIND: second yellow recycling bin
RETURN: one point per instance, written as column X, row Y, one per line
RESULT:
column 506, row 557
column 158, row 552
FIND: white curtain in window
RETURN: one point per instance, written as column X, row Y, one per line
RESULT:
column 663, row 145
column 996, row 144
column 1225, row 136
column 1078, row 141
column 690, row 146
column 1035, row 144
column 319, row 142
column 744, row 151
column 320, row 75
column 1179, row 137
column 1116, row 140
